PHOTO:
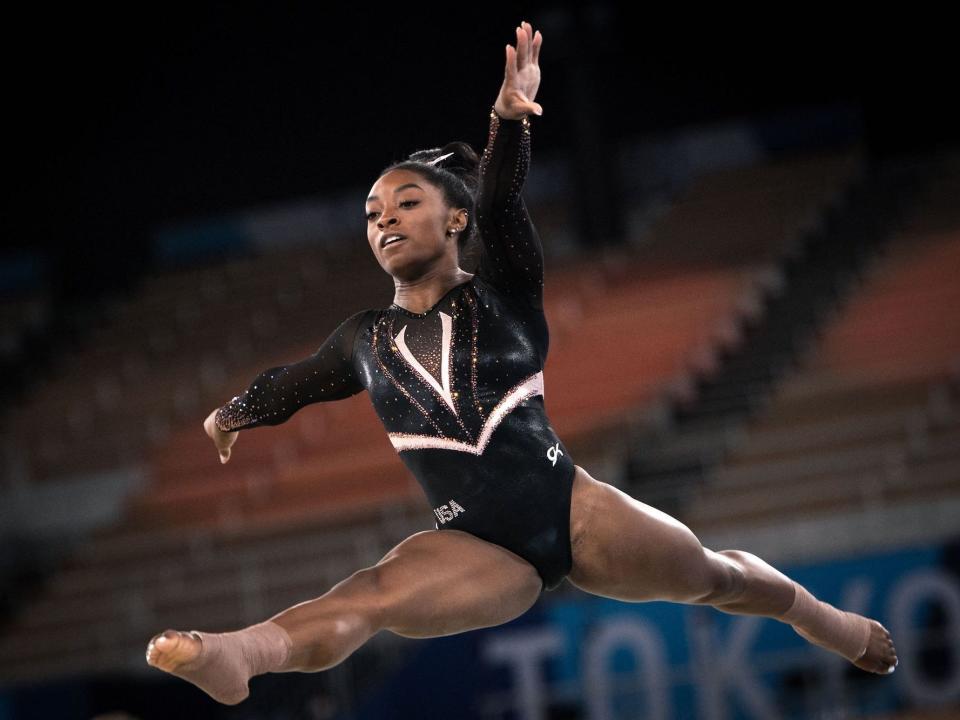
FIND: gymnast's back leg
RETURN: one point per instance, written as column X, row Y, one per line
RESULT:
column 436, row 582
column 627, row 550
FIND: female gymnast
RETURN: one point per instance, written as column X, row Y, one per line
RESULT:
column 454, row 370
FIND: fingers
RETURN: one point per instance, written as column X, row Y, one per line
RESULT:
column 528, row 44
column 523, row 48
column 208, row 424
column 520, row 81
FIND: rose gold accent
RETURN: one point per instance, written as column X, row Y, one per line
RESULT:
column 530, row 387
column 396, row 384
column 444, row 391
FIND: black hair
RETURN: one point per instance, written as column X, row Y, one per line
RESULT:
column 456, row 176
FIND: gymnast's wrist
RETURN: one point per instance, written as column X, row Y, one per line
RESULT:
column 216, row 427
column 522, row 119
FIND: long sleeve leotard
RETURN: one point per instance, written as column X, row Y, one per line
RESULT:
column 459, row 387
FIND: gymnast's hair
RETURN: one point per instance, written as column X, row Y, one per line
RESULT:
column 455, row 170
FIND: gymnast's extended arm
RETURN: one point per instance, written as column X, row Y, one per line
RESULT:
column 278, row 392
column 513, row 255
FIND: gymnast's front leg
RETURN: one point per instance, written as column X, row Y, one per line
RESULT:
column 436, row 582
column 627, row 550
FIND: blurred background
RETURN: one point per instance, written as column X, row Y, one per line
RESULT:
column 751, row 225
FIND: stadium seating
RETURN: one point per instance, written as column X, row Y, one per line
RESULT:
column 873, row 416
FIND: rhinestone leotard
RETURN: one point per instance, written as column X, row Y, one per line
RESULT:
column 459, row 388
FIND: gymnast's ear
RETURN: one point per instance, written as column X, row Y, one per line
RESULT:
column 457, row 222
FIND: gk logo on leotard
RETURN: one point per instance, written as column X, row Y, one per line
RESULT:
column 448, row 512
column 553, row 452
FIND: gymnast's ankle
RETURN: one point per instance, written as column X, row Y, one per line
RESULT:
column 822, row 624
column 227, row 661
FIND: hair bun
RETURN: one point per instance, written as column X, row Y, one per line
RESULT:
column 457, row 157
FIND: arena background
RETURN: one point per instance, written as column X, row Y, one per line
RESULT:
column 752, row 234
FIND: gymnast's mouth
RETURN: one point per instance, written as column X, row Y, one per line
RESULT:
column 390, row 239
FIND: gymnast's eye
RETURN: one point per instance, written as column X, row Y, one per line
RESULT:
column 372, row 213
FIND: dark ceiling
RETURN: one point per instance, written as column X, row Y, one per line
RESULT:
column 121, row 120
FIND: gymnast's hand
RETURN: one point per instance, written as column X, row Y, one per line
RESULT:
column 521, row 79
column 223, row 440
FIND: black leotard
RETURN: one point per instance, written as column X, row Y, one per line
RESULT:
column 459, row 388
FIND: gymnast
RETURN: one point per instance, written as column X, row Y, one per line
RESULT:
column 454, row 369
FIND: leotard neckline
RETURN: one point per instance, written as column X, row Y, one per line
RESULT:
column 403, row 310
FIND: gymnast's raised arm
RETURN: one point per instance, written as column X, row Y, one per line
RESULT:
column 513, row 256
column 278, row 392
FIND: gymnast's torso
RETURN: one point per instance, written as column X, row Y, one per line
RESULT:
column 459, row 388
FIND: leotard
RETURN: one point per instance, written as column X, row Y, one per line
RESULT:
column 459, row 388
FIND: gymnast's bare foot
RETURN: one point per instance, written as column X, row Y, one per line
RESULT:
column 171, row 648
column 880, row 656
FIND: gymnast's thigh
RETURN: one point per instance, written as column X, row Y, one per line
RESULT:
column 440, row 582
column 628, row 550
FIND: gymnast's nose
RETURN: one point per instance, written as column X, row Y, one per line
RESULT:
column 386, row 220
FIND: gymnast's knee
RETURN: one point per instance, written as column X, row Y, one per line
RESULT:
column 363, row 594
column 729, row 578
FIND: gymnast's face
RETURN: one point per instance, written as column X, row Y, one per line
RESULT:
column 404, row 203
